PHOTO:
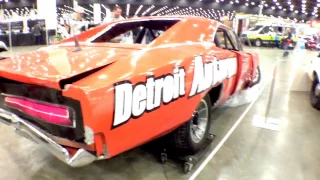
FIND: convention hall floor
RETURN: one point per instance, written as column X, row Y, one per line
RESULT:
column 249, row 153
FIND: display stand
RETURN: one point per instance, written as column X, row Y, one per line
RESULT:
column 164, row 152
column 266, row 122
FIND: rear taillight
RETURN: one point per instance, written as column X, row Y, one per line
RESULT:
column 59, row 115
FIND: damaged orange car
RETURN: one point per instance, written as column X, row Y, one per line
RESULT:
column 163, row 77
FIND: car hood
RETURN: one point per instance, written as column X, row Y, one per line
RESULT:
column 48, row 66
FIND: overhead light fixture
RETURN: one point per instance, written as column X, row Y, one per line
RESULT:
column 138, row 10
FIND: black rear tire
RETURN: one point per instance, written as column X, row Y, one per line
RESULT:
column 182, row 140
column 314, row 99
column 257, row 79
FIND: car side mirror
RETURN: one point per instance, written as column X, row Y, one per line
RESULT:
column 3, row 47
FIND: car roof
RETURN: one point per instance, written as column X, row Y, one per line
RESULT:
column 219, row 24
column 171, row 17
column 91, row 34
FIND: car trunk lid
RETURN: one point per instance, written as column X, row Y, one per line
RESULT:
column 48, row 66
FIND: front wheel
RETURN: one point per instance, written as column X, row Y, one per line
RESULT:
column 191, row 137
column 258, row 42
column 315, row 94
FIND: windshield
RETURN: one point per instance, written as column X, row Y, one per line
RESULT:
column 136, row 32
column 255, row 28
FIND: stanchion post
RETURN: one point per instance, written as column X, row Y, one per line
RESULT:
column 265, row 121
column 47, row 37
column 248, row 41
column 272, row 88
column 260, row 10
column 10, row 37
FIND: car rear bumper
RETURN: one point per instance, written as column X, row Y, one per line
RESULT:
column 77, row 159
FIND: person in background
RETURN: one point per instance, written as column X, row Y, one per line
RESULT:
column 77, row 24
column 114, row 16
column 287, row 42
column 277, row 39
column 37, row 33
column 315, row 39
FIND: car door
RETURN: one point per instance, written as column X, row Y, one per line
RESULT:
column 232, row 43
column 265, row 35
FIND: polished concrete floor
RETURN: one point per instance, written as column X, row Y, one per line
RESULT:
column 250, row 153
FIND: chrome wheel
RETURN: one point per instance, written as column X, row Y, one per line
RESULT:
column 199, row 122
column 258, row 43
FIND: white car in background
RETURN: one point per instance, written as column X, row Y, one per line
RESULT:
column 314, row 74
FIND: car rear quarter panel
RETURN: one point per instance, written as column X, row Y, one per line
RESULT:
column 255, row 60
column 98, row 95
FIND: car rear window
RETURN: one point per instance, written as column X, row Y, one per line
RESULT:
column 135, row 32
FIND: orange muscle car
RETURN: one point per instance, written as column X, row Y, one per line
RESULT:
column 129, row 82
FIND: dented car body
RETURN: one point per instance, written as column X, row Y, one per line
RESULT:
column 109, row 97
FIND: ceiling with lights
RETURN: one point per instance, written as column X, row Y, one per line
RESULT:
column 153, row 10
column 293, row 9
column 302, row 8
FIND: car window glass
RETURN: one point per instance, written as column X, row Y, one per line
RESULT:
column 136, row 32
column 255, row 28
column 276, row 29
column 234, row 39
column 220, row 39
column 229, row 43
column 268, row 29
column 264, row 30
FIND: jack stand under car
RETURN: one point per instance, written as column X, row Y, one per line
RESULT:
column 165, row 152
